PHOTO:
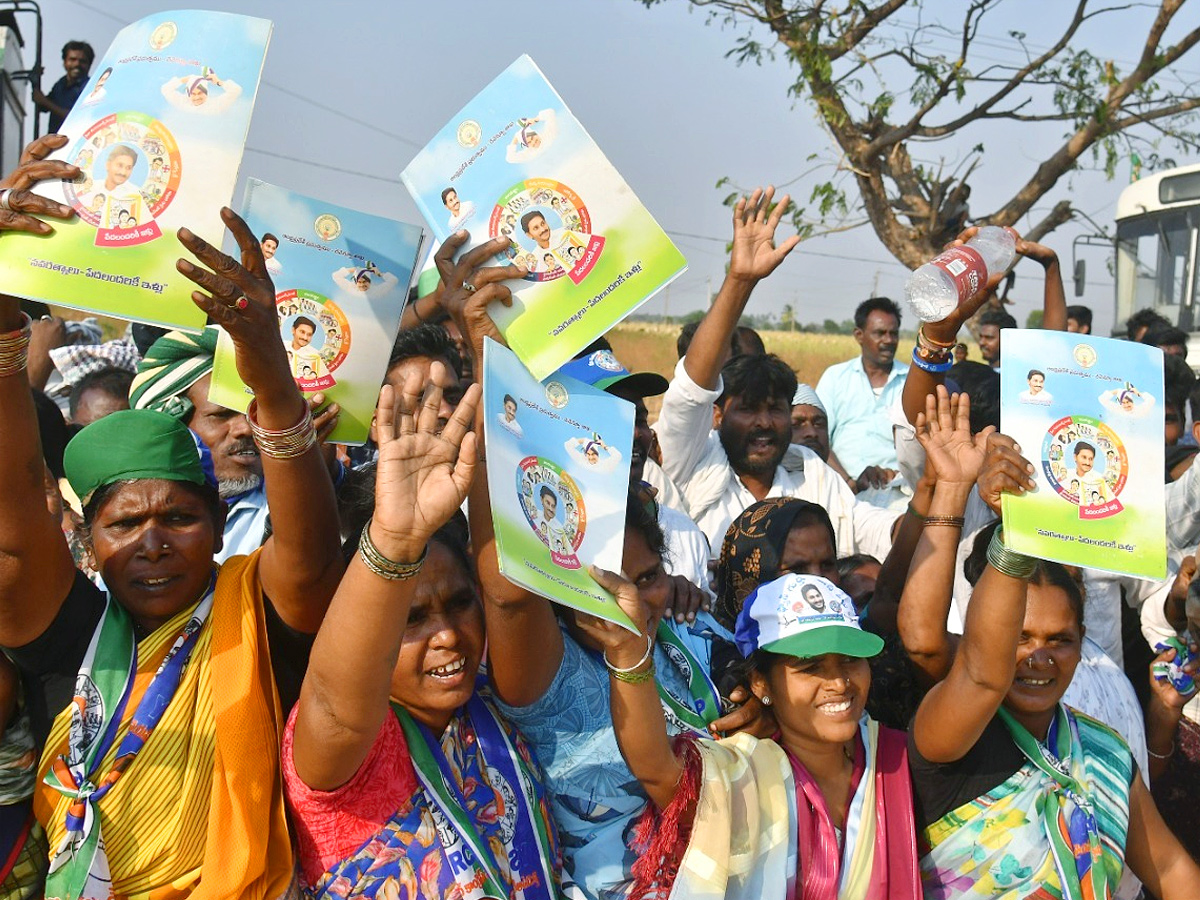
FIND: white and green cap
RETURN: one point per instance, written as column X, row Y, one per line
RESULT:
column 804, row 616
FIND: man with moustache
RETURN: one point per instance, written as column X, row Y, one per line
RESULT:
column 687, row 547
column 726, row 425
column 858, row 394
column 77, row 57
column 173, row 377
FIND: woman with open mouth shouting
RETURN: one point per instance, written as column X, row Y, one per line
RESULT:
column 402, row 778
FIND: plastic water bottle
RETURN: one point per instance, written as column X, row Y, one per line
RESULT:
column 958, row 275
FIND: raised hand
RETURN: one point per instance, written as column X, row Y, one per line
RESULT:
column 754, row 255
column 422, row 477
column 947, row 329
column 470, row 286
column 19, row 204
column 1005, row 471
column 621, row 647
column 1039, row 252
column 954, row 455
column 241, row 299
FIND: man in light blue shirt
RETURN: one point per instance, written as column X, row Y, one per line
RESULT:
column 858, row 393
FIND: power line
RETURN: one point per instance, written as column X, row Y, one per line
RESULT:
column 303, row 98
column 799, row 249
column 325, row 166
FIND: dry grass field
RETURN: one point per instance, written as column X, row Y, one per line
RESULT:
column 646, row 346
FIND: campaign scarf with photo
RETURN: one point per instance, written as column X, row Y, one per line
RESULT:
column 703, row 705
column 478, row 827
column 79, row 865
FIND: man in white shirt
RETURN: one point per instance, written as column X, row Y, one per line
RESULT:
column 459, row 211
column 687, row 548
column 724, row 471
column 270, row 244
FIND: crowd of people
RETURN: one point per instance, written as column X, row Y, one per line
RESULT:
column 242, row 662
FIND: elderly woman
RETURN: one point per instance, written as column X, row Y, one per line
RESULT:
column 1015, row 792
column 159, row 703
column 398, row 767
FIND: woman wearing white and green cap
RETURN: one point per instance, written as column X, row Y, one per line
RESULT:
column 821, row 812
column 159, row 704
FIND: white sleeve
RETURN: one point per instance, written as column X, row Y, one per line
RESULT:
column 684, row 424
column 873, row 529
column 909, row 452
column 171, row 93
column 231, row 91
column 1183, row 512
column 687, row 547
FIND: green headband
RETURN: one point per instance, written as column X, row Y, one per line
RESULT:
column 134, row 444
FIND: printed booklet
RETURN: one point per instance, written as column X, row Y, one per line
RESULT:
column 158, row 134
column 1088, row 413
column 515, row 163
column 341, row 280
column 558, row 469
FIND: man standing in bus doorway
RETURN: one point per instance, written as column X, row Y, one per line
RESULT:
column 77, row 57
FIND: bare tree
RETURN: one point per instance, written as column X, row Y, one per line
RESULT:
column 847, row 52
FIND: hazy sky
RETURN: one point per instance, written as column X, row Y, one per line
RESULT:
column 353, row 89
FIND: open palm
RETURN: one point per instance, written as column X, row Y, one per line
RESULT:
column 754, row 254
column 422, row 477
column 952, row 453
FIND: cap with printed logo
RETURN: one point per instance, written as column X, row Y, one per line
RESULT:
column 803, row 616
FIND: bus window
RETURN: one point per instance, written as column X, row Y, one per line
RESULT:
column 1152, row 255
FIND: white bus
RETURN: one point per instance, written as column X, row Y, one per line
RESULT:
column 1158, row 250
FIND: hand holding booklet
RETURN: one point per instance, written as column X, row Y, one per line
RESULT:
column 157, row 136
column 341, row 279
column 558, row 473
column 1088, row 413
column 515, row 163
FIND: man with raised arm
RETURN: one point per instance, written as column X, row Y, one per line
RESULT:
column 722, row 471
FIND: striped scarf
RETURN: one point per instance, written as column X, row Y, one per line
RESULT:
column 173, row 364
column 1055, row 829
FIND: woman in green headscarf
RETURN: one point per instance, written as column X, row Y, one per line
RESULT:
column 148, row 742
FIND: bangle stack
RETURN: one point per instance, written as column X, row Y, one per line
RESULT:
column 930, row 355
column 288, row 443
column 952, row 521
column 631, row 675
column 1009, row 562
column 374, row 560
column 14, row 348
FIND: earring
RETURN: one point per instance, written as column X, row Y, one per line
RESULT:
column 766, row 701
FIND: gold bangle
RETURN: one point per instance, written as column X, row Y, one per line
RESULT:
column 374, row 560
column 953, row 521
column 923, row 338
column 634, row 677
column 14, row 348
column 288, row 443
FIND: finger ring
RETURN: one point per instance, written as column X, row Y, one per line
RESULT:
column 4, row 195
column 468, row 287
column 242, row 302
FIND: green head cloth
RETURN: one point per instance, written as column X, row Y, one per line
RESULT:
column 174, row 362
column 133, row 444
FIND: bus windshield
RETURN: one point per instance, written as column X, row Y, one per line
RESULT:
column 1152, row 265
